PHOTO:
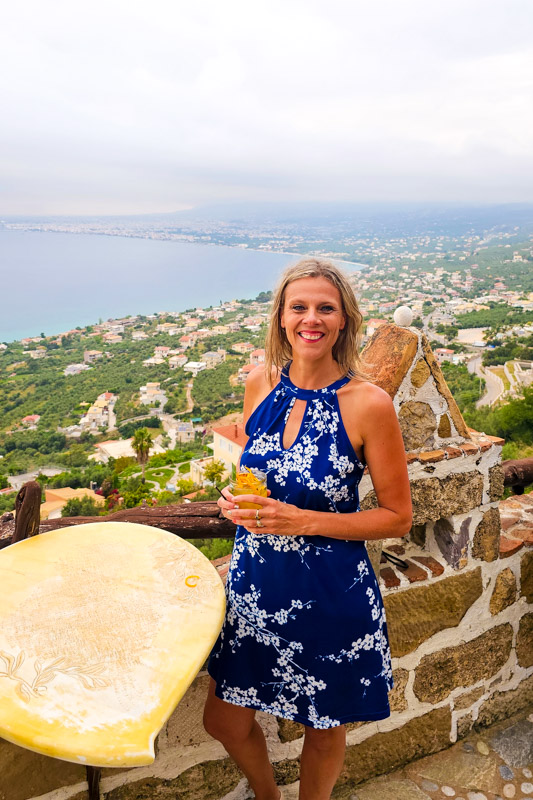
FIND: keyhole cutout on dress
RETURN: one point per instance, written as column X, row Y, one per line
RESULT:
column 292, row 428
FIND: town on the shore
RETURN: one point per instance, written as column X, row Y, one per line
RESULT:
column 71, row 403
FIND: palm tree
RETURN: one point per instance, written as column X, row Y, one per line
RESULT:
column 141, row 443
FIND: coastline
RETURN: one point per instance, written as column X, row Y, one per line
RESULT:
column 73, row 282
column 179, row 240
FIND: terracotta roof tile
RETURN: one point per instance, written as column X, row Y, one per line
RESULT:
column 235, row 433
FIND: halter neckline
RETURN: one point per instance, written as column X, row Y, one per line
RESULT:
column 310, row 394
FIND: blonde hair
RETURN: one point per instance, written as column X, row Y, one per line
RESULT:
column 346, row 349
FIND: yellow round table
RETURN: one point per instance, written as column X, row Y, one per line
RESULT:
column 102, row 629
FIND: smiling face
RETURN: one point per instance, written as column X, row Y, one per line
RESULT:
column 312, row 316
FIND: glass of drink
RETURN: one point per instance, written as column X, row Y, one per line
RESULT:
column 249, row 481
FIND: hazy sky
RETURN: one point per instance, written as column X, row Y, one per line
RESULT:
column 121, row 106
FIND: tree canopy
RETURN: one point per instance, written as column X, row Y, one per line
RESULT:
column 141, row 443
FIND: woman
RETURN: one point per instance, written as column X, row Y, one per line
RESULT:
column 305, row 634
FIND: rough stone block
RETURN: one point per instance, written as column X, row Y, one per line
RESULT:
column 463, row 770
column 420, row 373
column 185, row 726
column 468, row 698
column 453, row 452
column 384, row 752
column 508, row 520
column 504, row 593
column 417, row 535
column 388, row 356
column 504, row 704
column 389, row 577
column 495, row 482
column 418, row 425
column 417, row 613
column 526, row 576
column 388, row 789
column 435, row 498
column 508, row 546
column 288, row 730
column 469, row 449
column 413, row 573
column 486, row 542
column 524, row 641
column 369, row 501
column 526, row 501
column 431, row 563
column 464, row 726
column 452, row 543
column 26, row 774
column 524, row 533
column 496, row 440
column 397, row 699
column 399, row 549
column 439, row 673
column 514, row 743
column 352, row 726
column 445, row 427
column 207, row 781
column 286, row 772
column 431, row 456
column 442, row 386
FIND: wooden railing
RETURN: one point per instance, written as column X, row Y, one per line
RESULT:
column 189, row 520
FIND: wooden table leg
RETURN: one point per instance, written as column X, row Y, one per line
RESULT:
column 27, row 507
column 93, row 779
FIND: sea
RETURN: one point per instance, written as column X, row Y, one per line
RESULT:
column 52, row 282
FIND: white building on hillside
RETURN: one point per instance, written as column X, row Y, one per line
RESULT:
column 194, row 367
column 153, row 393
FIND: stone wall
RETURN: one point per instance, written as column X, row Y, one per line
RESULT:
column 460, row 617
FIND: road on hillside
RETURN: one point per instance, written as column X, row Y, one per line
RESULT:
column 494, row 387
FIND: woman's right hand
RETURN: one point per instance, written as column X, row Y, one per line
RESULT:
column 226, row 503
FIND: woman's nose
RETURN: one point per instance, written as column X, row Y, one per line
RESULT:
column 311, row 315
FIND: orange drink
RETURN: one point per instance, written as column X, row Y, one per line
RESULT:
column 249, row 482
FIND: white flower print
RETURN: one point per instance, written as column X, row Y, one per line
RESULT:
column 301, row 681
column 363, row 572
column 291, row 679
column 371, row 641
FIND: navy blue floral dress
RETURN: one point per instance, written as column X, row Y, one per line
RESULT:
column 305, row 636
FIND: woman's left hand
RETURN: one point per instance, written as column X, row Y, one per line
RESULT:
column 273, row 516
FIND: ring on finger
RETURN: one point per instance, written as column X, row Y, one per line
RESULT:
column 257, row 514
column 259, row 524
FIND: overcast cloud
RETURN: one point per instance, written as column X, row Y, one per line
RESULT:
column 121, row 106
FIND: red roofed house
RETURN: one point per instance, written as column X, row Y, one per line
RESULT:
column 242, row 347
column 257, row 357
column 373, row 324
column 444, row 354
column 228, row 444
column 244, row 372
column 31, row 420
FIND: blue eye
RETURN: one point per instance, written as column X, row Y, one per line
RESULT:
column 328, row 309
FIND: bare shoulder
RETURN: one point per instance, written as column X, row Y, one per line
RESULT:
column 257, row 380
column 363, row 397
column 257, row 387
column 365, row 409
